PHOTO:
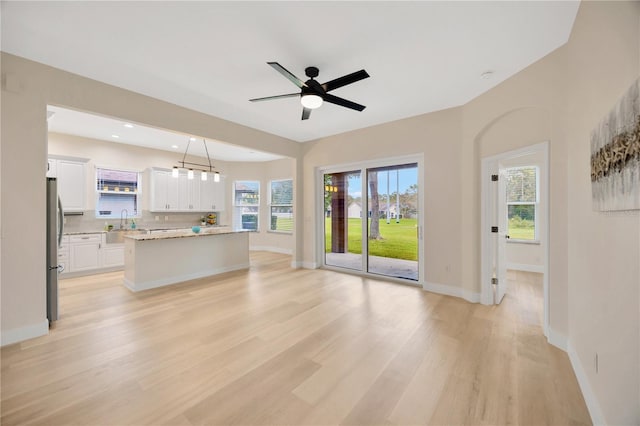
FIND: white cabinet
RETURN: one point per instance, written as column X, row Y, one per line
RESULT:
column 84, row 252
column 219, row 195
column 72, row 181
column 188, row 193
column 164, row 191
column 183, row 194
column 113, row 255
column 212, row 195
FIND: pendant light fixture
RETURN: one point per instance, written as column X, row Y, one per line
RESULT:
column 203, row 172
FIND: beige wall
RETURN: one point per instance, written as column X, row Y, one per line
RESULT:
column 594, row 291
column 27, row 88
column 264, row 172
column 604, row 248
column 525, row 109
column 437, row 137
column 594, row 269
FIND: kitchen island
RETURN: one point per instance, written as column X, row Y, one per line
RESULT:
column 160, row 259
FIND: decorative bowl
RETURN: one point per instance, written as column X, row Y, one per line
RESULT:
column 195, row 229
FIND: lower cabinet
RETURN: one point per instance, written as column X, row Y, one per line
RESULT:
column 113, row 255
column 83, row 253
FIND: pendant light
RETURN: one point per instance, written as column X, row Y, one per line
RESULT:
column 204, row 171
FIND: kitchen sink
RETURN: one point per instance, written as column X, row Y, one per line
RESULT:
column 116, row 236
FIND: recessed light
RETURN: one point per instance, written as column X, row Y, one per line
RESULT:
column 174, row 146
column 192, row 139
column 128, row 125
column 115, row 136
column 486, row 75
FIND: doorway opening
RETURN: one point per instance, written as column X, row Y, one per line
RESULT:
column 515, row 222
column 371, row 219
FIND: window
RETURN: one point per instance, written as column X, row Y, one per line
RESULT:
column 117, row 190
column 246, row 201
column 522, row 202
column 281, row 206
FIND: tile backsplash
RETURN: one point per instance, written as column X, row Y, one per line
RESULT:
column 89, row 223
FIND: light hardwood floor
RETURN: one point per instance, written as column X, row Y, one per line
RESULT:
column 274, row 345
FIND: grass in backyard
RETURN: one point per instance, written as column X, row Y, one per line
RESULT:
column 522, row 233
column 399, row 240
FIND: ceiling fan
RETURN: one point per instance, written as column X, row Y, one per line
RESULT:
column 312, row 94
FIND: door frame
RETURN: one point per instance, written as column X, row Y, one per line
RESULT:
column 491, row 165
column 363, row 166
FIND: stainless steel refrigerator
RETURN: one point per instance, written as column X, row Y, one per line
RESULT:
column 55, row 228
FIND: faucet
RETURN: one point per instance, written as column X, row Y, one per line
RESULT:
column 126, row 217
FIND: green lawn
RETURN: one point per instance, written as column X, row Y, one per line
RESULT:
column 399, row 239
column 521, row 229
column 522, row 233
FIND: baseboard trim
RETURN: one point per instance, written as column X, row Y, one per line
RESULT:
column 526, row 267
column 88, row 272
column 140, row 286
column 309, row 265
column 272, row 249
column 558, row 340
column 298, row 264
column 448, row 290
column 24, row 333
column 589, row 397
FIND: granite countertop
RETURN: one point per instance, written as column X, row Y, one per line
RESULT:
column 184, row 233
column 83, row 232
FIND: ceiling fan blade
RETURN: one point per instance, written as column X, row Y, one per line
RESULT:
column 306, row 112
column 344, row 80
column 282, row 70
column 268, row 98
column 343, row 102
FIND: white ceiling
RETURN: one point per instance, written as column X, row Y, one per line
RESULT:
column 211, row 56
column 104, row 128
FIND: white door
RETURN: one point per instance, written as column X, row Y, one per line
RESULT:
column 502, row 236
column 497, row 218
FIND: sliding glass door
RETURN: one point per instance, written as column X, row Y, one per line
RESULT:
column 393, row 221
column 343, row 219
column 371, row 220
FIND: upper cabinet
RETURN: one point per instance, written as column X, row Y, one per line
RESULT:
column 212, row 195
column 185, row 195
column 164, row 191
column 72, row 179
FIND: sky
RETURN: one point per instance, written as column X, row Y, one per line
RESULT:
column 407, row 177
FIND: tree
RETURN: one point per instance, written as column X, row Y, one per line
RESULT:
column 374, row 228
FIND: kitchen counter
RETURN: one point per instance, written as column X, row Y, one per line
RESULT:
column 84, row 232
column 164, row 258
column 183, row 233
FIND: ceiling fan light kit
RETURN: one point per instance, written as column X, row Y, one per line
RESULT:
column 313, row 94
column 311, row 101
